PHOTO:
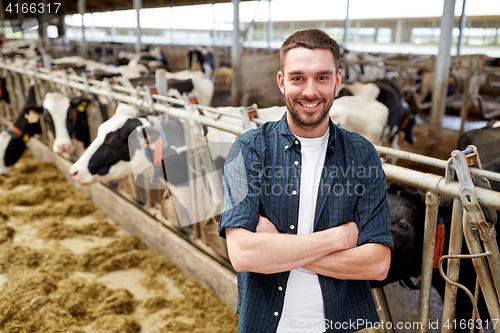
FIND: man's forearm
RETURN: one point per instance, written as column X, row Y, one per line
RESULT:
column 365, row 262
column 273, row 252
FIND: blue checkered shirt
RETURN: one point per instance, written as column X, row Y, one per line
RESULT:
column 262, row 177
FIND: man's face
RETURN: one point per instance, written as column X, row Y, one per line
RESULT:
column 309, row 83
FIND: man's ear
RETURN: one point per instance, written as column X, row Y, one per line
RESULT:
column 281, row 81
column 338, row 80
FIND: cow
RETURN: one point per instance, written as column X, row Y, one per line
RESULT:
column 13, row 141
column 202, row 59
column 407, row 211
column 152, row 57
column 68, row 117
column 127, row 143
column 400, row 118
column 371, row 68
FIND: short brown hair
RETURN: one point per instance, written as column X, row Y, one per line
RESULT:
column 310, row 39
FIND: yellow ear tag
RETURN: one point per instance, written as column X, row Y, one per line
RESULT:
column 81, row 107
column 26, row 137
column 32, row 117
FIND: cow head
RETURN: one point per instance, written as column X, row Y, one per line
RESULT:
column 76, row 120
column 201, row 59
column 107, row 158
column 13, row 141
column 407, row 207
column 57, row 105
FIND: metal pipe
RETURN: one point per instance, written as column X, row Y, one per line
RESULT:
column 441, row 71
column 431, row 182
column 236, row 54
column 346, row 26
column 269, row 28
column 431, row 213
column 432, row 161
column 463, row 21
column 83, row 46
column 382, row 308
column 453, row 270
column 137, row 7
column 214, row 33
column 483, row 275
column 464, row 109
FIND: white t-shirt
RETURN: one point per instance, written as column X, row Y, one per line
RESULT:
column 303, row 309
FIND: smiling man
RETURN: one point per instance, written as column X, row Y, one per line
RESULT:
column 305, row 209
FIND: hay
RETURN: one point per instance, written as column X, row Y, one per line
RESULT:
column 51, row 289
column 55, row 228
column 116, row 324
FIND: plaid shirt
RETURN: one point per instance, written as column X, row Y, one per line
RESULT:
column 262, row 176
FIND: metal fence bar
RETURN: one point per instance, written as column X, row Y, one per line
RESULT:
column 435, row 162
column 431, row 214
column 483, row 274
column 431, row 182
column 453, row 270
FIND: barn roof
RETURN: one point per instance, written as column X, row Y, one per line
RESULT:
column 71, row 6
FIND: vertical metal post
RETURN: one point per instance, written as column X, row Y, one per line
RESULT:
column 137, row 7
column 453, row 268
column 172, row 25
column 399, row 30
column 214, row 32
column 382, row 308
column 442, row 71
column 161, row 81
column 20, row 16
column 431, row 213
column 236, row 54
column 346, row 26
column 83, row 46
column 464, row 109
column 2, row 18
column 483, row 274
column 463, row 21
column 269, row 28
column 46, row 40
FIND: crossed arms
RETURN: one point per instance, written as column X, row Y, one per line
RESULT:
column 332, row 252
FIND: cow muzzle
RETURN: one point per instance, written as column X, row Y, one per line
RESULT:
column 83, row 178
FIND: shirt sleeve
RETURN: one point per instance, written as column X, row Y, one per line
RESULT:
column 372, row 209
column 242, row 176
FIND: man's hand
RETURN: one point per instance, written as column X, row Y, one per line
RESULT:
column 265, row 225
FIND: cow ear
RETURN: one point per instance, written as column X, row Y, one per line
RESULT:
column 409, row 192
column 32, row 114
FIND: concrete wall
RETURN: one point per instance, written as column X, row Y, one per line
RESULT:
column 258, row 80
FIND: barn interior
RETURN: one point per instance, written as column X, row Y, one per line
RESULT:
column 445, row 65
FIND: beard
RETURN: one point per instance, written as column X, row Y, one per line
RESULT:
column 304, row 120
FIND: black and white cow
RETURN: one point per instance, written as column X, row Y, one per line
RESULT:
column 202, row 59
column 13, row 141
column 68, row 118
column 407, row 207
column 400, row 118
column 128, row 144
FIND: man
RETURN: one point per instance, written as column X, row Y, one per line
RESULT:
column 306, row 217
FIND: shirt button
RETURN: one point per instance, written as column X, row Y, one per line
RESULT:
column 296, row 162
column 286, row 147
column 294, row 192
column 276, row 313
column 296, row 142
column 292, row 227
column 280, row 288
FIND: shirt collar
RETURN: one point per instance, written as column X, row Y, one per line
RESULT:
column 289, row 139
